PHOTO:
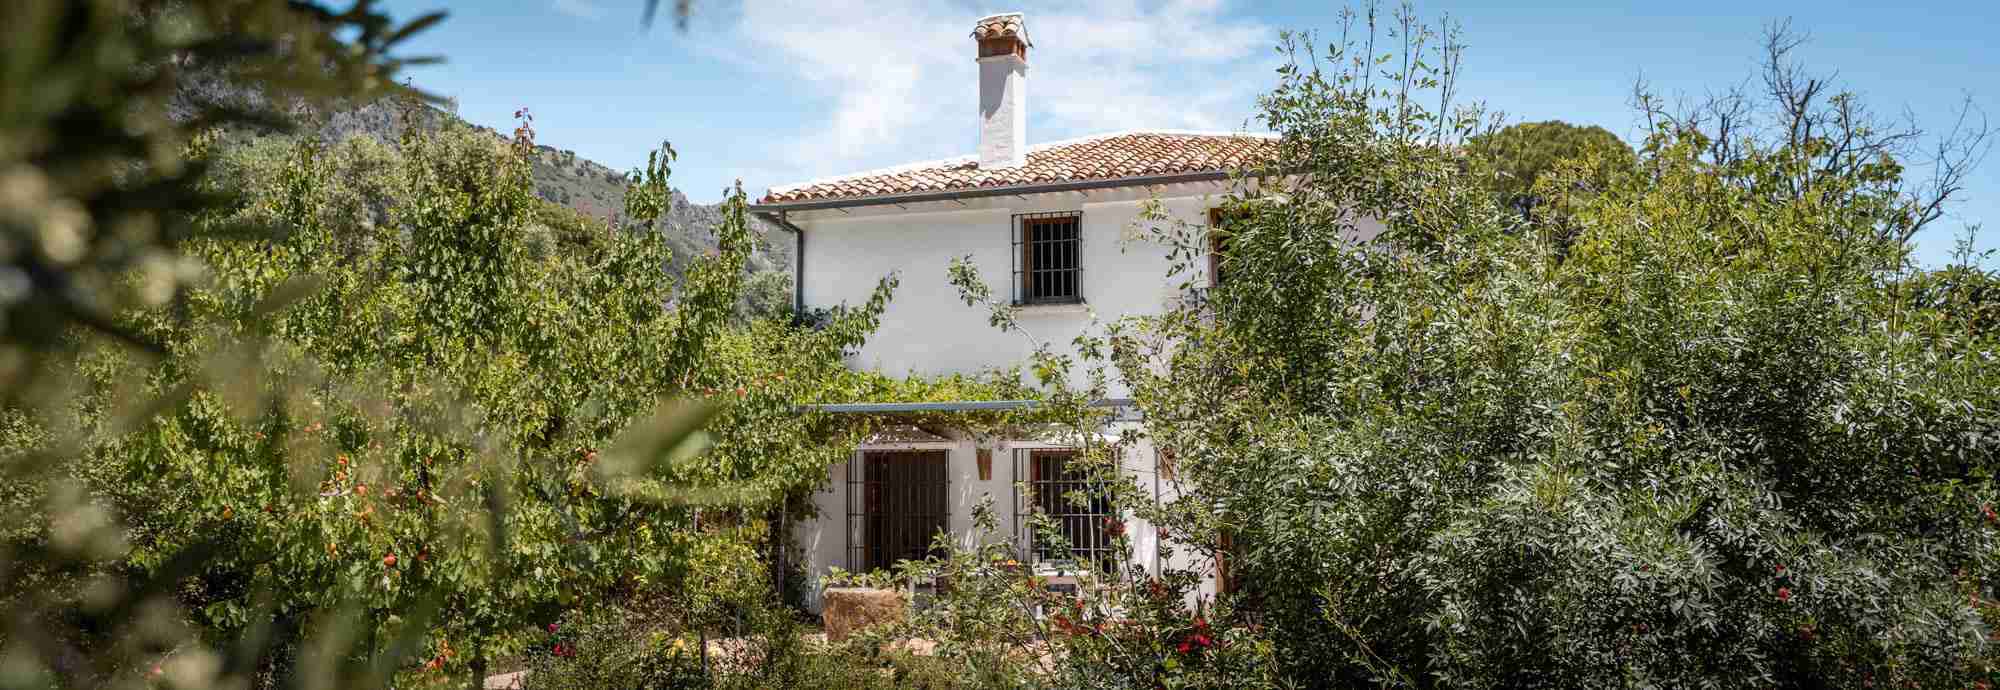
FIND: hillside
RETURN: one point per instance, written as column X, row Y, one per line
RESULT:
column 560, row 175
column 590, row 187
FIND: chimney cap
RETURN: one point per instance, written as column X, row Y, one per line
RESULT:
column 1004, row 25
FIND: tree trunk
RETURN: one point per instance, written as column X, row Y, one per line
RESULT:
column 777, row 523
column 479, row 669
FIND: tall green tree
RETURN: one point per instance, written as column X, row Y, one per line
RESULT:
column 1513, row 159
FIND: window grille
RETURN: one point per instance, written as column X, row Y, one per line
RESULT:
column 1048, row 258
column 896, row 505
column 1052, row 477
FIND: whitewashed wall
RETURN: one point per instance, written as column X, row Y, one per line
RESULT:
column 928, row 330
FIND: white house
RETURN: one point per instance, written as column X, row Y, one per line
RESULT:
column 1046, row 224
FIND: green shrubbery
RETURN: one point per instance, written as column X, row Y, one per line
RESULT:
column 298, row 414
column 1695, row 432
column 421, row 416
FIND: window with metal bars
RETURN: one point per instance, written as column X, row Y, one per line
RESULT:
column 1080, row 508
column 896, row 505
column 1048, row 258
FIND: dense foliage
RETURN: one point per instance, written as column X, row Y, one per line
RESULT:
column 290, row 413
column 469, row 354
column 1714, row 443
column 1513, row 159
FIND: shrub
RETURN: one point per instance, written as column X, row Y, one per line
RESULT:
column 615, row 649
column 997, row 623
column 1693, row 433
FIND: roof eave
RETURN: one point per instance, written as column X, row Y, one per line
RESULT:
column 977, row 192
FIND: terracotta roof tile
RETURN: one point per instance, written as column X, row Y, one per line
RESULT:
column 999, row 26
column 1104, row 157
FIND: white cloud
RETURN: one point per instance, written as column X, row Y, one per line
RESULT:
column 580, row 9
column 896, row 81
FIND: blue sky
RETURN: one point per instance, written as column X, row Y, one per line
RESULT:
column 774, row 92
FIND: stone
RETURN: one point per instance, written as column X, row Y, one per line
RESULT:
column 848, row 610
column 915, row 646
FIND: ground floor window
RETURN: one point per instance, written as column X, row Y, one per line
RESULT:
column 1061, row 489
column 897, row 502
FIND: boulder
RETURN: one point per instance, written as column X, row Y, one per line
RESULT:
column 847, row 610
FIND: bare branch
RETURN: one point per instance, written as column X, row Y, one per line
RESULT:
column 1826, row 136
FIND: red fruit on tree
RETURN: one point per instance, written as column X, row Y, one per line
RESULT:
column 1784, row 594
column 389, row 561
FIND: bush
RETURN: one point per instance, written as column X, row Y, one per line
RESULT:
column 616, row 649
column 1694, row 433
column 996, row 623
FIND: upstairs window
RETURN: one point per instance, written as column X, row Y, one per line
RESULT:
column 1048, row 258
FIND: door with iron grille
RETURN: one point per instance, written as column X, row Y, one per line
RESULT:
column 897, row 503
column 1078, row 505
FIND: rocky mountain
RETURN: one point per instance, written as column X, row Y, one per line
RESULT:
column 560, row 175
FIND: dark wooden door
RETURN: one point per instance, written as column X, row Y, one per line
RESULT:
column 903, row 506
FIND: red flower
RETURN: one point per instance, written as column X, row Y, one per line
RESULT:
column 1781, row 568
column 1203, row 640
column 553, row 628
column 1784, row 594
column 1183, row 648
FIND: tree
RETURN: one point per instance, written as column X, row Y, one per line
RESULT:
column 1831, row 133
column 457, row 435
column 106, row 167
column 103, row 183
column 1515, row 158
column 1711, row 444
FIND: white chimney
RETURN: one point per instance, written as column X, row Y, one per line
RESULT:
column 1003, row 90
